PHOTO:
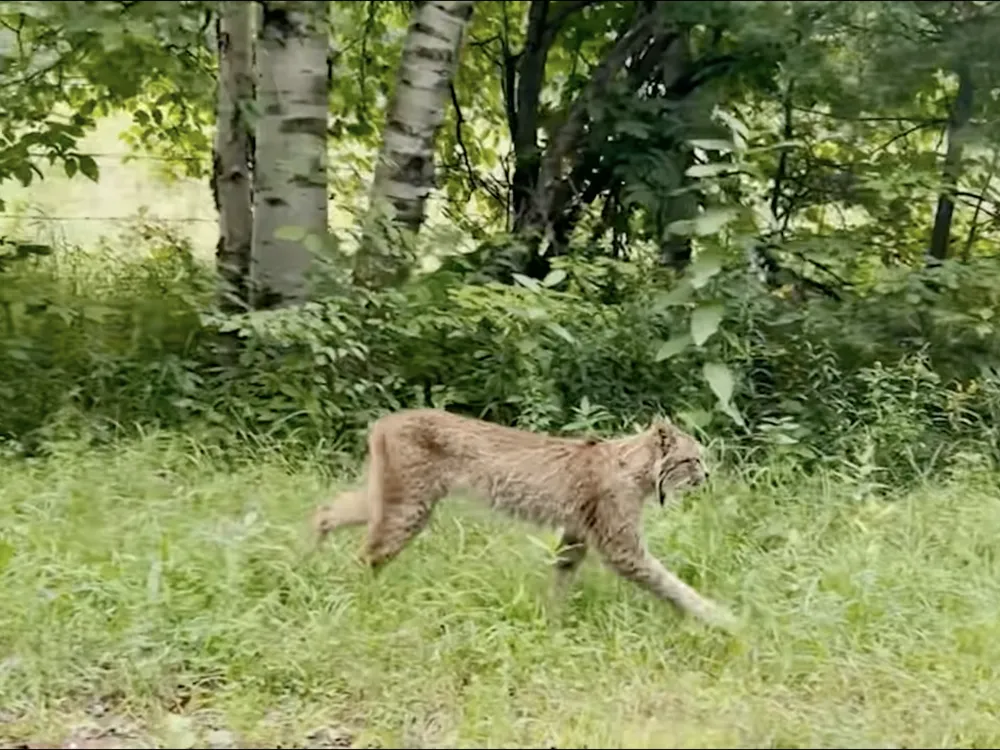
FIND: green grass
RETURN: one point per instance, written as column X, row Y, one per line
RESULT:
column 150, row 596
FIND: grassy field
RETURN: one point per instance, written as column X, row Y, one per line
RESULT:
column 151, row 597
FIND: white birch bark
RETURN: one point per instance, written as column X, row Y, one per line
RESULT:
column 404, row 174
column 291, row 156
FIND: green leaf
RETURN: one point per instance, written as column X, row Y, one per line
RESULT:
column 290, row 232
column 554, row 277
column 675, row 297
column 313, row 243
column 631, row 127
column 733, row 413
column 739, row 130
column 683, row 227
column 561, row 332
column 25, row 249
column 672, row 347
column 709, row 222
column 712, row 169
column 70, row 166
column 713, row 220
column 705, row 322
column 704, row 267
column 526, row 281
column 711, row 144
column 720, row 380
column 89, row 167
column 695, row 418
column 22, row 172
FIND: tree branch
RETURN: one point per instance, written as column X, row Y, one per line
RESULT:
column 459, row 121
column 974, row 222
column 631, row 42
column 474, row 180
column 900, row 118
column 782, row 170
column 903, row 134
column 773, row 266
column 553, row 26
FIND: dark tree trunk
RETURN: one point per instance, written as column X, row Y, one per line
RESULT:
column 233, row 149
column 530, row 77
column 958, row 124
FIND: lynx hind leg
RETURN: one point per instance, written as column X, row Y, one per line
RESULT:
column 400, row 506
column 404, row 515
column 349, row 508
column 572, row 551
column 630, row 559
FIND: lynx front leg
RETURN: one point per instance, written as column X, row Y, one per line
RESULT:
column 631, row 560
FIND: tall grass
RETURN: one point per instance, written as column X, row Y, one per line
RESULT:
column 153, row 594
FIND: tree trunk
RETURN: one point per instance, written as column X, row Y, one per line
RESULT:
column 290, row 197
column 404, row 174
column 233, row 150
column 523, row 116
column 958, row 124
column 565, row 140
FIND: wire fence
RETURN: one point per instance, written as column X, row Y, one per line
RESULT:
column 123, row 182
column 168, row 192
column 47, row 217
column 131, row 189
column 77, row 212
column 133, row 217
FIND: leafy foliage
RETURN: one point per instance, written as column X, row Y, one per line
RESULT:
column 724, row 213
column 813, row 382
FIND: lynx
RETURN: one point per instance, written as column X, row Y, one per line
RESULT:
column 593, row 489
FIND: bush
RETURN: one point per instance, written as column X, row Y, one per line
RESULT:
column 891, row 384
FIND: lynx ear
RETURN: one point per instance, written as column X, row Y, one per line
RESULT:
column 663, row 429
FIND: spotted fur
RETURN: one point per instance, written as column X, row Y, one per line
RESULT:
column 593, row 489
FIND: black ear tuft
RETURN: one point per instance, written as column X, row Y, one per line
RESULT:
column 663, row 429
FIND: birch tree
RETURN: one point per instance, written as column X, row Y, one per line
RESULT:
column 404, row 174
column 231, row 180
column 290, row 159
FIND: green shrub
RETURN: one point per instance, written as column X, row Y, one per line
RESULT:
column 892, row 384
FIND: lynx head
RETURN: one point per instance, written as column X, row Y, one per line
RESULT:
column 678, row 462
